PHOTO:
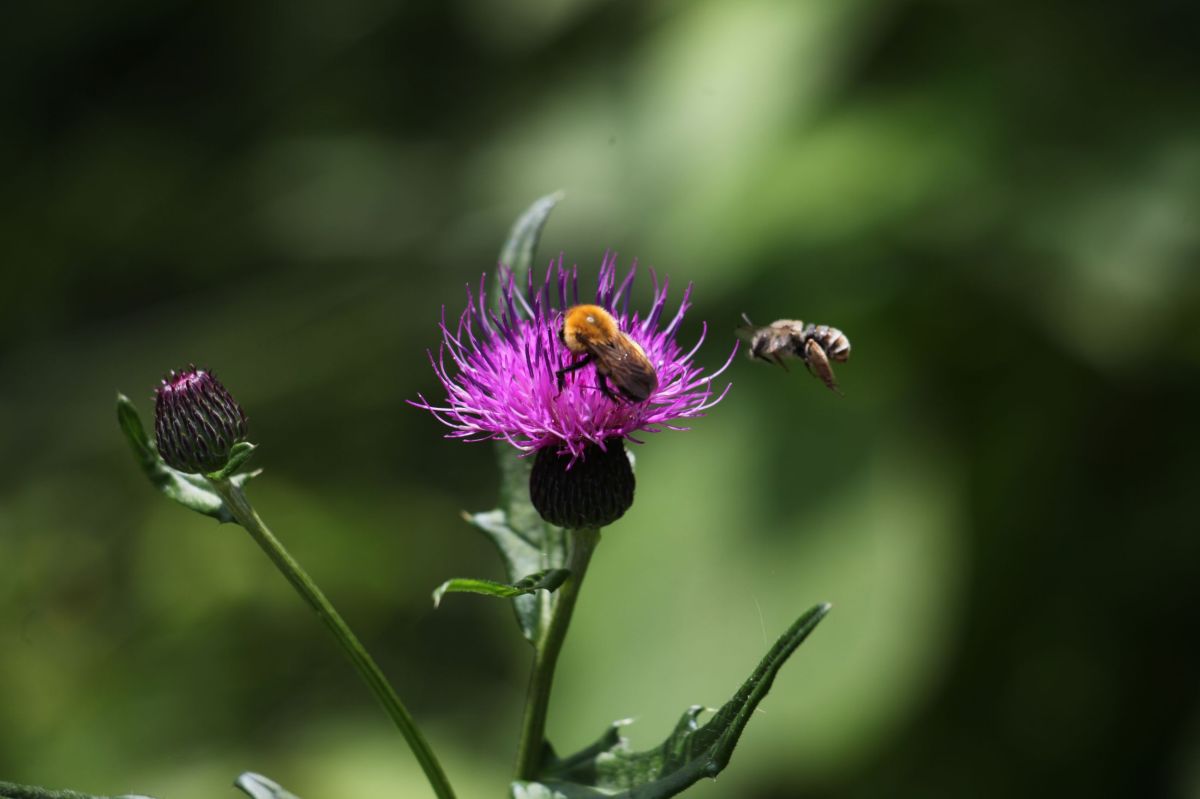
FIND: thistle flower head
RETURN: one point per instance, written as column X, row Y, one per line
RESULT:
column 196, row 421
column 501, row 370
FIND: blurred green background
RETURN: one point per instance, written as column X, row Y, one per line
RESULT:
column 998, row 203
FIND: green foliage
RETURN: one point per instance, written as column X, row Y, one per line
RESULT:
column 9, row 790
column 259, row 787
column 521, row 244
column 546, row 580
column 527, row 545
column 691, row 752
column 238, row 455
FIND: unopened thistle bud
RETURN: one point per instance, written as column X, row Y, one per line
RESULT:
column 593, row 491
column 196, row 421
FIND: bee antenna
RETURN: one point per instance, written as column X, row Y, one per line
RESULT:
column 747, row 319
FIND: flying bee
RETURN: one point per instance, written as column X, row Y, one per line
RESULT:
column 815, row 345
column 592, row 331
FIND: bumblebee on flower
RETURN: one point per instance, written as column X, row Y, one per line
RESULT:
column 522, row 375
column 592, row 331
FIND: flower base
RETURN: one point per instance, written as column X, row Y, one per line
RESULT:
column 595, row 491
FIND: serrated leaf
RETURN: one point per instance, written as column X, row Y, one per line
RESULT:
column 692, row 751
column 193, row 491
column 540, row 581
column 259, row 787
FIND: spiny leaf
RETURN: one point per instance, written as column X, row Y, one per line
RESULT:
column 190, row 490
column 692, row 751
column 545, row 580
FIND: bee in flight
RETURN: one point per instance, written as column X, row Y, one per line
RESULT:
column 816, row 345
column 592, row 331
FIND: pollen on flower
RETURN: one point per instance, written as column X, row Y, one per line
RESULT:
column 502, row 371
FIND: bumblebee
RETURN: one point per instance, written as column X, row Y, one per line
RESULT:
column 593, row 332
column 815, row 345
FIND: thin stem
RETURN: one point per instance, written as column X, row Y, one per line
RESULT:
column 581, row 543
column 245, row 515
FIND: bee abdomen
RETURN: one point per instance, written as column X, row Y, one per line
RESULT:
column 831, row 340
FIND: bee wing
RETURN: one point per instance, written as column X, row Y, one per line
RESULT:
column 747, row 331
column 629, row 369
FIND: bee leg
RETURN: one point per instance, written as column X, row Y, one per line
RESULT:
column 561, row 375
column 818, row 365
column 777, row 358
column 602, row 384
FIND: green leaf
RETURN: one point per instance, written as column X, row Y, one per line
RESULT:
column 517, row 252
column 190, row 490
column 544, row 580
column 525, row 542
column 692, row 751
column 239, row 453
column 259, row 787
column 9, row 790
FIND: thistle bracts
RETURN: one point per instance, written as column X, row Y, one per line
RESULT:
column 196, row 421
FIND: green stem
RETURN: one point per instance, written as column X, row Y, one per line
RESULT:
column 581, row 543
column 245, row 515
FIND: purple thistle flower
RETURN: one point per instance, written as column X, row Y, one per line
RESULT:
column 500, row 373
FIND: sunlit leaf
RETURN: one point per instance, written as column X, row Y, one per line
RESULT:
column 544, row 580
column 259, row 787
column 190, row 490
column 692, row 751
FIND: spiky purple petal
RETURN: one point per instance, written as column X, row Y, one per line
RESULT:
column 500, row 376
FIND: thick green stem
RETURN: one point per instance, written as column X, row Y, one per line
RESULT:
column 242, row 511
column 581, row 543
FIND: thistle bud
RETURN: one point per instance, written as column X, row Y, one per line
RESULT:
column 196, row 421
column 593, row 491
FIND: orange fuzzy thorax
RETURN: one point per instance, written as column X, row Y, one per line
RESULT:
column 588, row 324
